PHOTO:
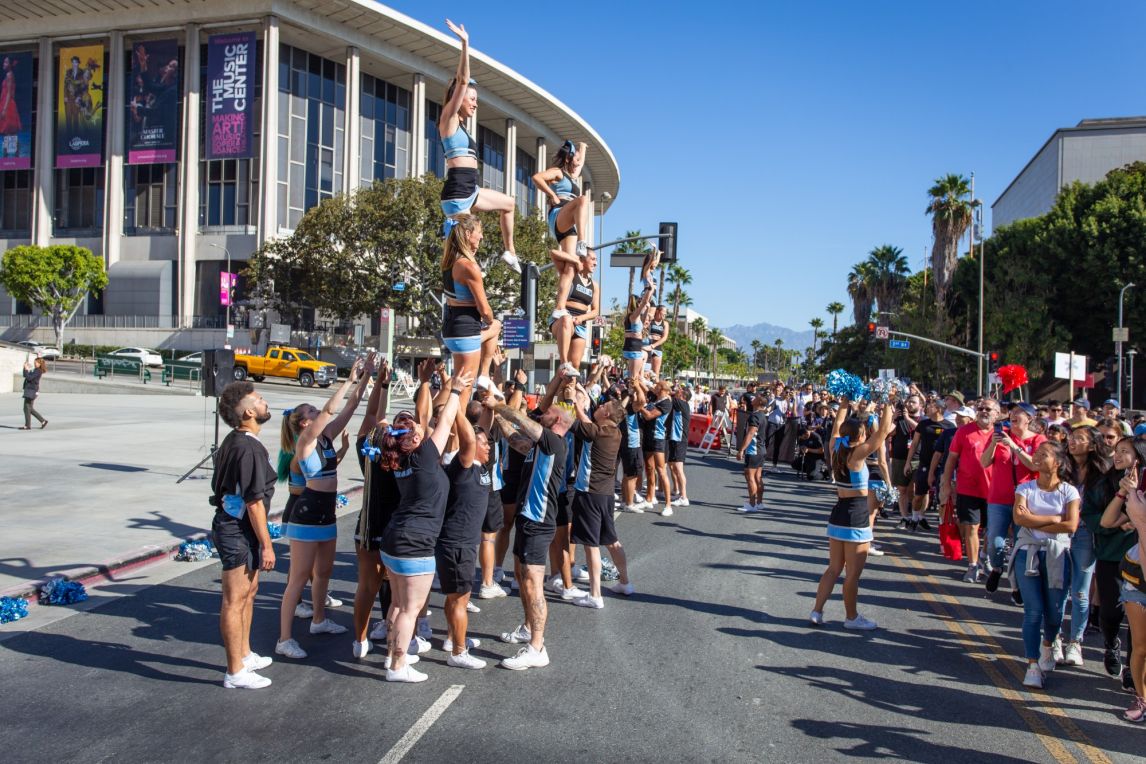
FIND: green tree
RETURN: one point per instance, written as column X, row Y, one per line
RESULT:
column 950, row 211
column 757, row 347
column 861, row 289
column 680, row 278
column 835, row 309
column 817, row 324
column 889, row 276
column 714, row 338
column 641, row 247
column 55, row 280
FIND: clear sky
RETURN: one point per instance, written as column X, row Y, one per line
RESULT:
column 789, row 139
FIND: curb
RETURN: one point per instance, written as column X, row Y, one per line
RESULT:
column 141, row 557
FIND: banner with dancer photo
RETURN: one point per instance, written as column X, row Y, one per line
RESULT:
column 16, row 111
column 153, row 102
column 79, row 121
column 230, row 95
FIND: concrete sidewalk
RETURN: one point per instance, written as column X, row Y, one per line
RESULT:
column 95, row 492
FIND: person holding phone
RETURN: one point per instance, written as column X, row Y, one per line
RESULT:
column 33, row 371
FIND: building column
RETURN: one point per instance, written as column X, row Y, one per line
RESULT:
column 189, row 179
column 511, row 157
column 418, row 158
column 542, row 163
column 269, row 150
column 113, row 177
column 351, row 167
column 44, row 173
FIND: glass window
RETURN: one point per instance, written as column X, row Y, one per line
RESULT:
column 229, row 188
column 79, row 200
column 150, row 199
column 526, row 167
column 491, row 149
column 16, row 203
column 435, row 154
column 385, row 131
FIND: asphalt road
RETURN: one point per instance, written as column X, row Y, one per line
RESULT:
column 711, row 660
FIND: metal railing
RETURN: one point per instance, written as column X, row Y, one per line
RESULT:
column 116, row 322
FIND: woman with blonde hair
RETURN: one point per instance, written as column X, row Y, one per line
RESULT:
column 32, row 373
column 469, row 331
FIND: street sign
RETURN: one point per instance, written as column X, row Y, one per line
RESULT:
column 899, row 344
column 1062, row 366
column 882, row 333
column 601, row 321
column 888, row 374
column 515, row 333
column 1122, row 334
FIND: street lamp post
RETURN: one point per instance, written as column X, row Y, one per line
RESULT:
column 1130, row 389
column 1118, row 344
column 606, row 197
column 229, row 292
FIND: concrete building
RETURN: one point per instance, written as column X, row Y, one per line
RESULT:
column 1085, row 152
column 345, row 92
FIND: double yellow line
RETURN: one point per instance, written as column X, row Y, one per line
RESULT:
column 986, row 651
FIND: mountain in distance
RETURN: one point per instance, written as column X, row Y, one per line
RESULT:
column 768, row 334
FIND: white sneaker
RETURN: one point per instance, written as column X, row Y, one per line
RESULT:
column 680, row 503
column 1072, row 655
column 256, row 662
column 875, row 551
column 498, row 575
column 1034, row 677
column 405, row 674
column 303, row 610
column 333, row 601
column 625, row 589
column 471, row 643
column 245, row 680
column 472, row 608
column 511, row 260
column 859, row 623
column 517, row 636
column 485, row 383
column 590, row 601
column 1046, row 658
column 749, row 508
column 643, row 503
column 423, row 629
column 418, row 646
column 465, row 660
column 379, row 631
column 491, row 592
column 361, row 649
column 527, row 658
column 636, row 509
column 582, row 248
column 971, row 575
column 326, row 627
column 290, row 648
column 555, row 585
column 580, row 573
column 410, row 660
column 1056, row 650
column 816, row 618
column 573, row 594
column 667, row 511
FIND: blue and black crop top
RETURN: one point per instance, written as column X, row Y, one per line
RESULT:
column 460, row 144
column 656, row 330
column 295, row 479
column 565, row 188
column 454, row 289
column 322, row 461
column 857, row 479
column 634, row 327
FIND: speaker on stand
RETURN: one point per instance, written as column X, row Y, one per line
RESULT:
column 218, row 371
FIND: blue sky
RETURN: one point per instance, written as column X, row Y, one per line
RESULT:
column 789, row 139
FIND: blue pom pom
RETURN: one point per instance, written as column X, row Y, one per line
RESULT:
column 881, row 389
column 195, row 551
column 342, row 502
column 13, row 609
column 60, row 592
column 842, row 383
column 275, row 530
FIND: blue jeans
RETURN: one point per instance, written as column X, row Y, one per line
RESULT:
column 1081, row 574
column 999, row 528
column 1042, row 605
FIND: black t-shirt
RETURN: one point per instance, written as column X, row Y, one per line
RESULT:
column 930, row 431
column 381, row 493
column 423, row 487
column 657, row 428
column 901, row 439
column 466, row 504
column 746, row 400
column 719, row 402
column 942, row 447
column 812, row 440
column 542, row 479
column 242, row 469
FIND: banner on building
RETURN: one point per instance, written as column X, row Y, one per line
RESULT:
column 16, row 111
column 230, row 95
column 153, row 102
column 79, row 121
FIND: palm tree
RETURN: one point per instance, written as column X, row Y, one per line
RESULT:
column 757, row 346
column 633, row 247
column 861, row 282
column 950, row 212
column 835, row 309
column 817, row 324
column 890, row 271
column 698, row 328
column 680, row 277
column 714, row 338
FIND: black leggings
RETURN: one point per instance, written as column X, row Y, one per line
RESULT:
column 1110, row 612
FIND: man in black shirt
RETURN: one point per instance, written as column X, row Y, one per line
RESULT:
column 907, row 417
column 928, row 432
column 242, row 486
column 812, row 446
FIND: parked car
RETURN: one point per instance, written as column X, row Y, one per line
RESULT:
column 145, row 355
column 47, row 352
column 196, row 357
column 287, row 362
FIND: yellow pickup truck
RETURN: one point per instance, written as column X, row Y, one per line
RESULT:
column 289, row 363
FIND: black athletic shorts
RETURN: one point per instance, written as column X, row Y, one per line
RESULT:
column 654, row 446
column 461, row 321
column 564, row 507
column 494, row 514
column 531, row 541
column 236, row 542
column 593, row 519
column 631, row 461
column 754, row 461
column 398, row 542
column 509, row 494
column 460, row 183
column 969, row 509
column 921, row 487
column 456, row 568
column 678, row 450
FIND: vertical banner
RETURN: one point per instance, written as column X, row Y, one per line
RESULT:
column 16, row 111
column 230, row 95
column 227, row 282
column 153, row 102
column 79, row 122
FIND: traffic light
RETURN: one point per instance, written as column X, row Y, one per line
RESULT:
column 993, row 362
column 598, row 333
column 667, row 243
column 871, row 328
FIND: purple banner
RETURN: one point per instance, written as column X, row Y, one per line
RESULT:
column 16, row 111
column 153, row 102
column 230, row 95
column 79, row 119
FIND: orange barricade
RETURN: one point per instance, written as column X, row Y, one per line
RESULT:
column 697, row 426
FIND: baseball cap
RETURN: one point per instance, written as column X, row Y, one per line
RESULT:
column 966, row 411
column 1083, row 402
column 957, row 396
column 1111, row 402
column 1027, row 408
column 1140, row 429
